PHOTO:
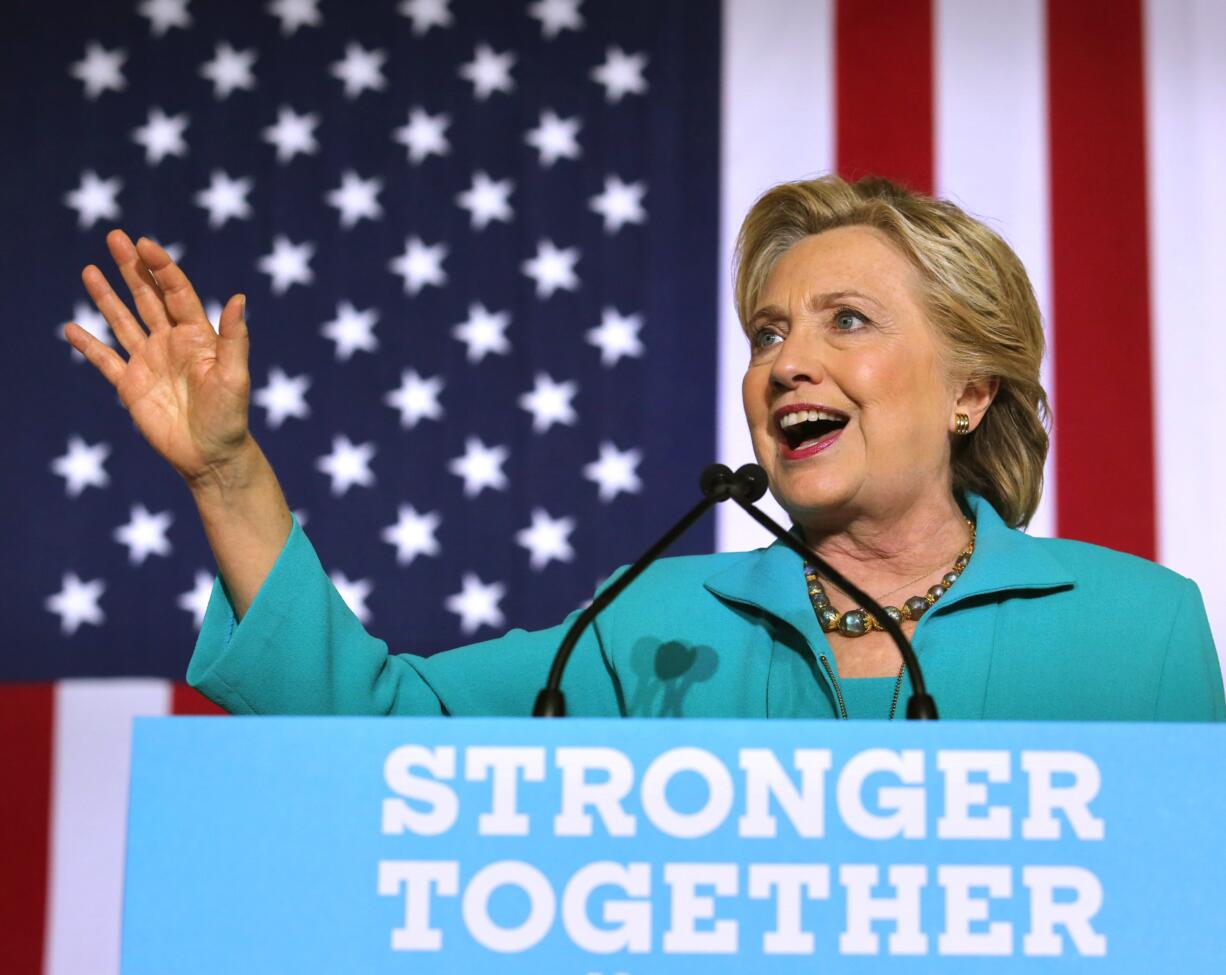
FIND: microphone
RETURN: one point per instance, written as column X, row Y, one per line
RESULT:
column 717, row 483
column 749, row 484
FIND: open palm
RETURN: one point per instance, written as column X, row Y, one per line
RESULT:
column 186, row 387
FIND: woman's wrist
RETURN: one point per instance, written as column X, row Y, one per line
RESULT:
column 246, row 521
column 227, row 480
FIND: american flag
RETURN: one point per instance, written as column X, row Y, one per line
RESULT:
column 486, row 248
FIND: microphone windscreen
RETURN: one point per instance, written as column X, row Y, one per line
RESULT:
column 751, row 482
column 716, row 478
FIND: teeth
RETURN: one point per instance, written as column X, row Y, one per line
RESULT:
column 804, row 416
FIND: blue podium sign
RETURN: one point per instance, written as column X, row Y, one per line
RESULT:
column 593, row 846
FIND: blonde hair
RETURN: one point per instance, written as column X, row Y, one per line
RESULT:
column 976, row 295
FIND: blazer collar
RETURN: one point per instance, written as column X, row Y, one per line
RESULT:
column 1005, row 560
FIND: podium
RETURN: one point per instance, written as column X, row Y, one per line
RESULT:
column 643, row 846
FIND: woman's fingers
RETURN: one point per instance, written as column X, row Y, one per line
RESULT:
column 126, row 328
column 233, row 342
column 99, row 354
column 140, row 282
column 180, row 297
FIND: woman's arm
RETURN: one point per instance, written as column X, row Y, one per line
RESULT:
column 300, row 650
column 1191, row 685
column 246, row 520
column 277, row 637
column 188, row 391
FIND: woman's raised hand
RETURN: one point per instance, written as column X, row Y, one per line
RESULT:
column 186, row 386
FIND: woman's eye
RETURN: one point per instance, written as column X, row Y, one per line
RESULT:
column 765, row 337
column 845, row 320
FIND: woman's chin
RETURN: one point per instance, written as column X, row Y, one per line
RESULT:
column 805, row 494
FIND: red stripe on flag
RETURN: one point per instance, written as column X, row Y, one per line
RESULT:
column 185, row 699
column 27, row 721
column 883, row 86
column 1100, row 274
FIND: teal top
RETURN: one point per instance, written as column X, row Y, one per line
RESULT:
column 1035, row 629
column 873, row 697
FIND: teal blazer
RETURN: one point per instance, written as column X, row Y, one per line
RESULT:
column 1035, row 629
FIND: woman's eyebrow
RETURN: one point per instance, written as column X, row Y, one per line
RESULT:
column 770, row 312
column 813, row 304
column 826, row 299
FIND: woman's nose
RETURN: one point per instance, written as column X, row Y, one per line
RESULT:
column 798, row 361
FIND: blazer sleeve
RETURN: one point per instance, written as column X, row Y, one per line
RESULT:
column 1190, row 688
column 299, row 649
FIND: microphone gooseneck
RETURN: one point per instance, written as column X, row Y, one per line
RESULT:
column 750, row 485
column 717, row 484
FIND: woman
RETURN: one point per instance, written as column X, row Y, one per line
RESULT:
column 892, row 391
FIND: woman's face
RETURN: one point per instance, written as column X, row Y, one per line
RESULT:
column 839, row 342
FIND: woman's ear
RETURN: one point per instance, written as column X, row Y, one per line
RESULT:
column 976, row 397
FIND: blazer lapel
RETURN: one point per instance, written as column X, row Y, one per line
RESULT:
column 1005, row 560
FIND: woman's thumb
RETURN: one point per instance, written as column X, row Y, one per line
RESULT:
column 232, row 337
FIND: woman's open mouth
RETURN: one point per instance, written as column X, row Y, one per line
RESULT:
column 806, row 430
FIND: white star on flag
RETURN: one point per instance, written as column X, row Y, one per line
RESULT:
column 616, row 336
column 556, row 16
column 90, row 319
column 100, row 69
column 425, row 14
column 288, row 264
column 477, row 603
column 489, row 71
column 549, row 403
column 354, row 593
column 283, row 396
column 619, row 204
column 77, row 603
column 82, row 466
column 614, row 471
column 351, row 330
column 487, row 200
column 621, row 74
column 144, row 534
column 420, row 264
column 348, row 464
column 484, row 332
column 295, row 13
column 416, row 398
column 356, row 198
column 480, row 467
column 196, row 599
column 230, row 70
column 292, row 133
column 547, row 539
column 161, row 135
column 555, row 138
column 360, row 70
column 225, row 198
column 424, row 135
column 165, row 14
column 413, row 534
column 94, row 199
column 552, row 269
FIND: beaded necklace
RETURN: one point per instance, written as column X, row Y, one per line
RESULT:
column 857, row 622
